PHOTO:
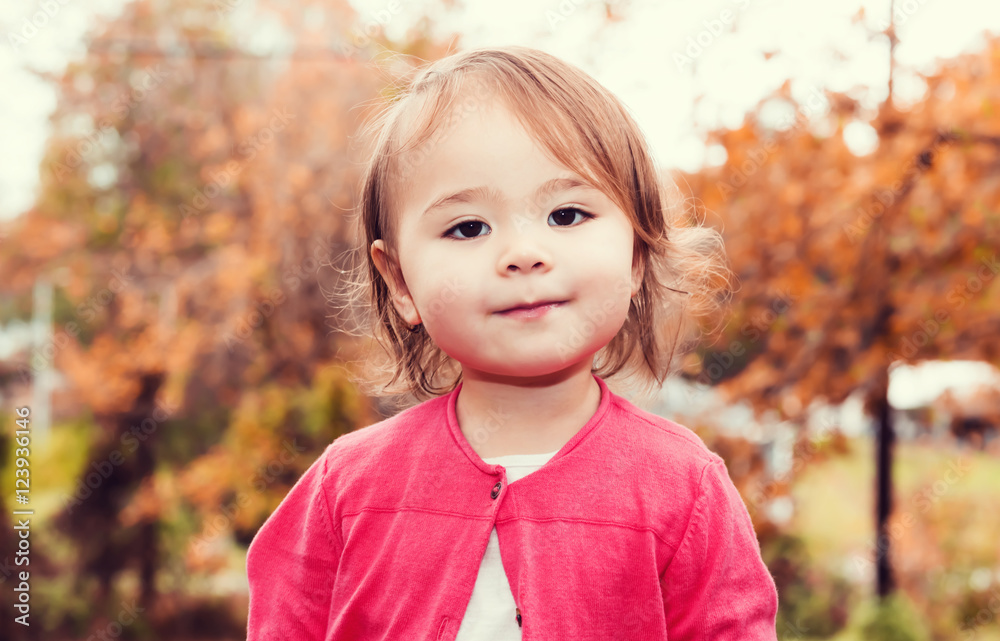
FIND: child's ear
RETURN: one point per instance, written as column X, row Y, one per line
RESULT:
column 638, row 273
column 391, row 273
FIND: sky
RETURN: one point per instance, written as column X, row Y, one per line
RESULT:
column 682, row 67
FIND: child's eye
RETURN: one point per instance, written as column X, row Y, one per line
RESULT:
column 468, row 227
column 564, row 217
column 560, row 215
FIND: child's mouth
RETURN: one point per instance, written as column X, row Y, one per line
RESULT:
column 535, row 311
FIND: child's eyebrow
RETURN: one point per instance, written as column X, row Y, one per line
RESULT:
column 492, row 195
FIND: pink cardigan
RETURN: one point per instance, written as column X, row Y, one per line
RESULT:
column 632, row 530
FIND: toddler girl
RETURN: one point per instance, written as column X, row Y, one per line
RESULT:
column 517, row 254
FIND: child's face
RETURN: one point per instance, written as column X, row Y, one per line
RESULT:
column 519, row 250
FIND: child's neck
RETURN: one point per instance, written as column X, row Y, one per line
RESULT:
column 499, row 418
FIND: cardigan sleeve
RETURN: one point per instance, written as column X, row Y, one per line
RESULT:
column 292, row 562
column 716, row 586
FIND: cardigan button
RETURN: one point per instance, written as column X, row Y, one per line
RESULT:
column 496, row 490
column 518, row 617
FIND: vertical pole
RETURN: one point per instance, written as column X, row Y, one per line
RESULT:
column 884, row 583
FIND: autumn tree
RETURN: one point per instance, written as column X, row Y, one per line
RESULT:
column 192, row 215
column 852, row 262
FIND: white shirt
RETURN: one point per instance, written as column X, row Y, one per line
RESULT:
column 491, row 615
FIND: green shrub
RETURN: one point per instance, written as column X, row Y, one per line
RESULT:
column 893, row 619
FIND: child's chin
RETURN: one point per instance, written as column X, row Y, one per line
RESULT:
column 531, row 368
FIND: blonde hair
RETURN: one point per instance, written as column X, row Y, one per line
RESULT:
column 584, row 126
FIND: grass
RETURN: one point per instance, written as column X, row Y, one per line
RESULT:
column 945, row 514
column 835, row 498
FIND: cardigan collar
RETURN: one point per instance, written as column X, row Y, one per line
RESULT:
column 458, row 437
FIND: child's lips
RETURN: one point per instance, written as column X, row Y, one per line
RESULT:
column 535, row 311
column 531, row 306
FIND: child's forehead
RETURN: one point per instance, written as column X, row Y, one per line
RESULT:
column 429, row 115
column 426, row 125
column 479, row 146
column 456, row 132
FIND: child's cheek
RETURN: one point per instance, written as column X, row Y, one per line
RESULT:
column 448, row 298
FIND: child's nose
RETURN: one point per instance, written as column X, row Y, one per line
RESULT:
column 525, row 245
column 525, row 259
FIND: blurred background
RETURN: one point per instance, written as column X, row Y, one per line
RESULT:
column 175, row 188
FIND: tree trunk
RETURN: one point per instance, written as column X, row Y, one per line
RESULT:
column 147, row 536
column 885, row 439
